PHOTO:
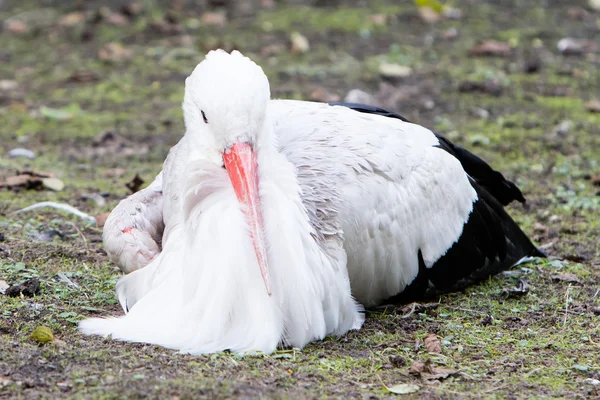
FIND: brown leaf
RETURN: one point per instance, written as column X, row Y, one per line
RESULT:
column 83, row 76
column 492, row 48
column 428, row 371
column 321, row 94
column 432, row 343
column 101, row 219
column 214, row 19
column 113, row 52
column 114, row 173
column 135, row 184
column 16, row 26
column 593, row 106
column 117, row 19
column 131, row 9
column 299, row 43
column 566, row 278
column 72, row 19
column 378, row 19
column 429, row 15
column 26, row 180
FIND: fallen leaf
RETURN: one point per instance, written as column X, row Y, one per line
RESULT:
column 593, row 106
column 378, row 19
column 429, row 15
column 393, row 71
column 131, row 9
column 403, row 388
column 565, row 278
column 42, row 334
column 520, row 290
column 59, row 114
column 214, row 19
column 20, row 152
column 113, row 52
column 3, row 286
column 95, row 197
column 117, row 19
column 114, row 173
column 72, row 19
column 101, row 219
column 16, row 26
column 428, row 371
column 492, row 48
column 321, row 94
column 450, row 34
column 432, row 343
column 53, row 184
column 573, row 46
column 299, row 43
column 29, row 288
column 83, row 76
column 135, row 184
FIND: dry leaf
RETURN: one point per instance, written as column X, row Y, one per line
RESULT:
column 214, row 19
column 101, row 219
column 321, row 94
column 53, row 184
column 403, row 388
column 113, row 52
column 299, row 43
column 520, row 290
column 135, row 184
column 566, row 278
column 593, row 106
column 72, row 19
column 429, row 15
column 428, row 371
column 42, row 334
column 83, row 76
column 432, row 343
column 117, row 19
column 16, row 26
column 491, row 48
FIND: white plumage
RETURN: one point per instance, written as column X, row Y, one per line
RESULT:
column 353, row 205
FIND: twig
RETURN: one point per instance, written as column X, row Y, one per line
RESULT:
column 566, row 304
column 60, row 206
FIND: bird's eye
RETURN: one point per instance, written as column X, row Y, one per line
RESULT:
column 204, row 117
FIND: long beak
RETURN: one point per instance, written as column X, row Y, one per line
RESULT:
column 240, row 163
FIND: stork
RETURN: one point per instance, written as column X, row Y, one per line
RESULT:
column 280, row 220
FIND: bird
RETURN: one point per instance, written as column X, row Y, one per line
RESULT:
column 277, row 222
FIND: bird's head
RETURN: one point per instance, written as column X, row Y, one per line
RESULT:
column 224, row 107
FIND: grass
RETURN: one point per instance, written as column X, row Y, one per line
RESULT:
column 541, row 345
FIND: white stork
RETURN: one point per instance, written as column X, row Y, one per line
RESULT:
column 279, row 218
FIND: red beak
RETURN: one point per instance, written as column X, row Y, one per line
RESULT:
column 240, row 163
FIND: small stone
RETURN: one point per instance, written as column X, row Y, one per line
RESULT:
column 393, row 71
column 8, row 84
column 360, row 96
column 117, row 19
column 53, row 184
column 21, row 152
column 299, row 43
column 323, row 95
column 3, row 286
column 594, row 4
column 572, row 46
column 113, row 52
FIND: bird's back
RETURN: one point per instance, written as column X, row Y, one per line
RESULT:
column 411, row 217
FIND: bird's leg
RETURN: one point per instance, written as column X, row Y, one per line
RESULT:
column 133, row 231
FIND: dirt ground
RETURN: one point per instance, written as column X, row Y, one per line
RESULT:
column 94, row 90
